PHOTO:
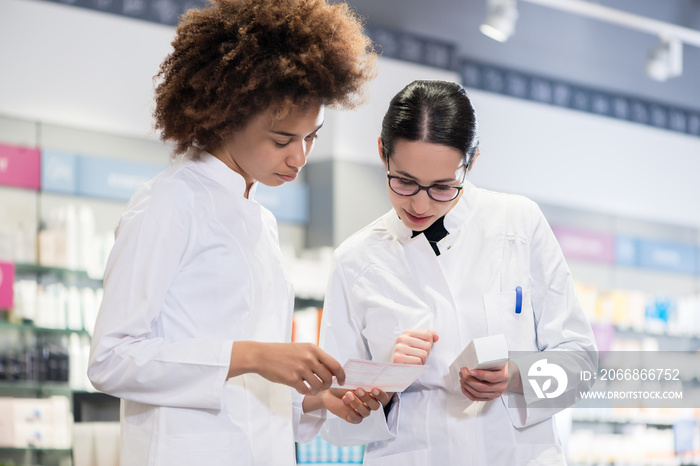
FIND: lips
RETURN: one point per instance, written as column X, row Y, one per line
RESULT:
column 417, row 220
column 287, row 178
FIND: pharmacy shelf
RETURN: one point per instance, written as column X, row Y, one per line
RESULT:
column 623, row 331
column 27, row 327
column 43, row 450
column 35, row 456
column 63, row 273
column 656, row 421
column 46, row 388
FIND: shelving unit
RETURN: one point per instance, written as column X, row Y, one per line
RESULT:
column 35, row 456
column 63, row 274
column 27, row 209
column 632, row 275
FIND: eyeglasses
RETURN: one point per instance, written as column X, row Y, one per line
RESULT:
column 436, row 192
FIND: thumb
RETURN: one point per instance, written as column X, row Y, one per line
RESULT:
column 436, row 337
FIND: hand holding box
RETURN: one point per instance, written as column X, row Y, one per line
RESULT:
column 487, row 353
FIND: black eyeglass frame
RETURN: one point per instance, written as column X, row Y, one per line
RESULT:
column 389, row 177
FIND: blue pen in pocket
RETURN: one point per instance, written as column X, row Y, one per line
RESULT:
column 518, row 299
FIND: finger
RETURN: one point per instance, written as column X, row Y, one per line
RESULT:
column 478, row 392
column 420, row 334
column 413, row 342
column 324, row 375
column 354, row 403
column 473, row 394
column 338, row 392
column 436, row 337
column 420, row 353
column 381, row 396
column 479, row 386
column 370, row 402
column 499, row 385
column 488, row 376
column 352, row 417
column 302, row 388
column 314, row 383
column 403, row 359
column 466, row 392
column 332, row 365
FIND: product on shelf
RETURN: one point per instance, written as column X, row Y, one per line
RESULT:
column 36, row 422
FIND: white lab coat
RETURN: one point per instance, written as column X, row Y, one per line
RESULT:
column 385, row 282
column 196, row 266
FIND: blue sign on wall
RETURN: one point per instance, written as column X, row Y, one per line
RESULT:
column 112, row 179
column 671, row 257
column 626, row 251
column 58, row 172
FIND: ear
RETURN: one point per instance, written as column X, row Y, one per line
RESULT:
column 473, row 159
column 380, row 148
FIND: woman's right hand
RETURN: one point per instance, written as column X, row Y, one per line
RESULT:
column 413, row 346
column 303, row 366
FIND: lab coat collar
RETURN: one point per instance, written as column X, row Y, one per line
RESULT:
column 222, row 174
column 454, row 219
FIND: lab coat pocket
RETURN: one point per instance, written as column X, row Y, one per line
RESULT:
column 502, row 317
column 406, row 458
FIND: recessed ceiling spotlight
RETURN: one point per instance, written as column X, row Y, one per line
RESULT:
column 500, row 19
column 665, row 60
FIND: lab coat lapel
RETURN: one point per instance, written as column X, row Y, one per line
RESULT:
column 422, row 266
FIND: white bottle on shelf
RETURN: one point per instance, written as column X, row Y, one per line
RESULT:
column 72, row 237
column 88, row 249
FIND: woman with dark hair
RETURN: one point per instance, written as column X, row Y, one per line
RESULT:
column 448, row 264
column 193, row 332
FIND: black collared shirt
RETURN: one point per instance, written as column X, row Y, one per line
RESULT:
column 434, row 233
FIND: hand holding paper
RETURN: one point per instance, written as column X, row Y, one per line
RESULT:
column 353, row 406
column 386, row 376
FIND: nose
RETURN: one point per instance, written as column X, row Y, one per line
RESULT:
column 420, row 202
column 299, row 153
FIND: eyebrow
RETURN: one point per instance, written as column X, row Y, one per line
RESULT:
column 292, row 135
column 446, row 180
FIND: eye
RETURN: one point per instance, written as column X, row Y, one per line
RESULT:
column 281, row 144
column 405, row 182
column 311, row 137
column 441, row 187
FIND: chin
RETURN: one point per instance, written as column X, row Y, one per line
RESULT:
column 414, row 227
column 273, row 183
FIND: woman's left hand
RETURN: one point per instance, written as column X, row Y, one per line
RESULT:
column 354, row 405
column 483, row 385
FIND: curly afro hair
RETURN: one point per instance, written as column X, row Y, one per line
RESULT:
column 233, row 59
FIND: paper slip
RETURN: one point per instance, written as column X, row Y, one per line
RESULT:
column 386, row 376
column 488, row 353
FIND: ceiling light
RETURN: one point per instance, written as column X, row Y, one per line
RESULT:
column 665, row 60
column 500, row 20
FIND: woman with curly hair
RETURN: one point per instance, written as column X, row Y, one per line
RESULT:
column 194, row 328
